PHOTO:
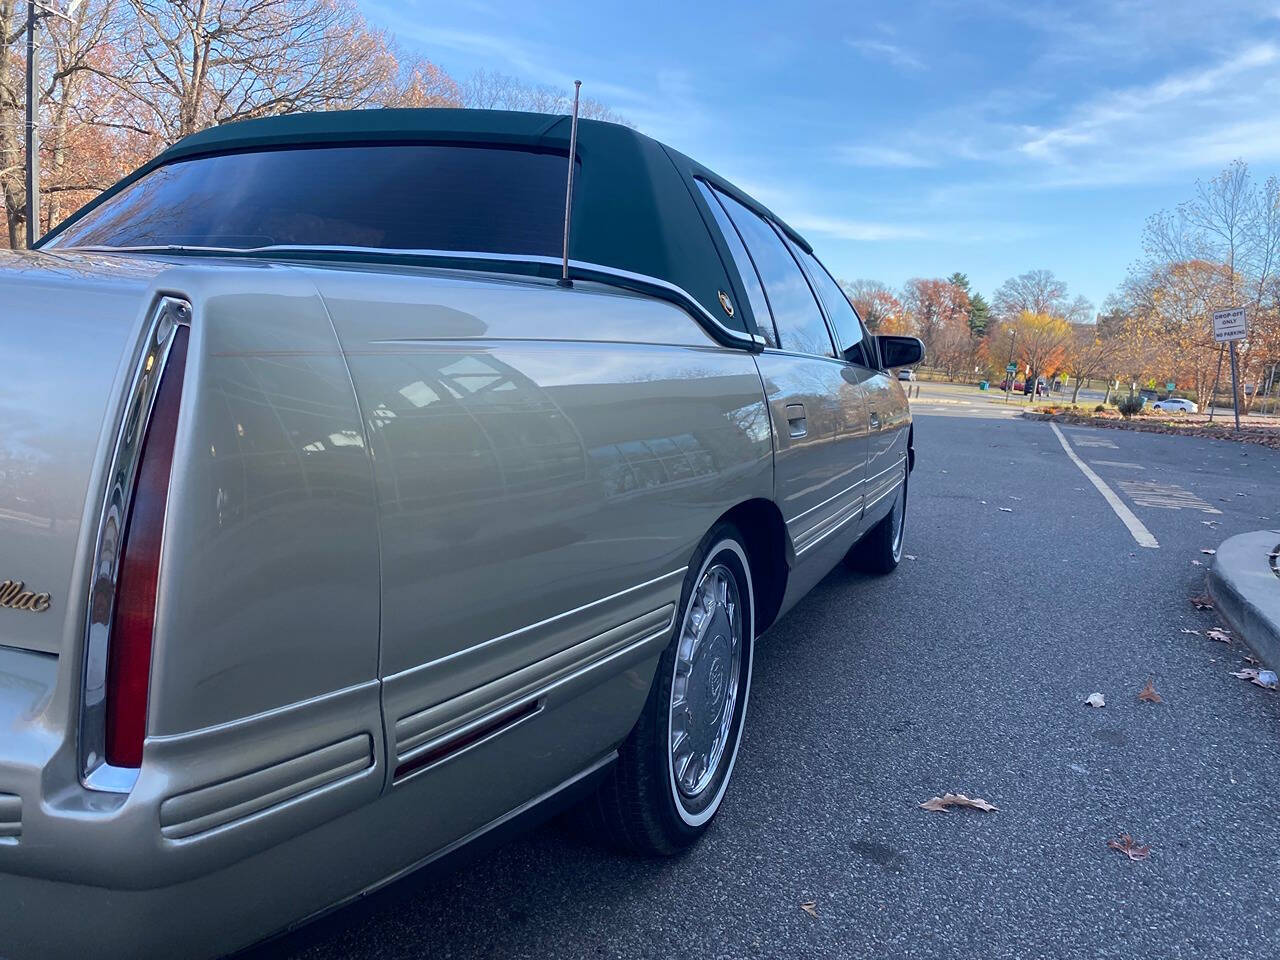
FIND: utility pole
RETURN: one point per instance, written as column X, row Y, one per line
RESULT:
column 33, row 128
column 35, row 11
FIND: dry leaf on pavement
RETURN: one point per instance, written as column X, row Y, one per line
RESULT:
column 1006, row 510
column 909, row 556
column 1189, row 630
column 1208, row 552
column 810, row 908
column 1202, row 602
column 1095, row 700
column 1249, row 659
column 1261, row 678
column 1217, row 633
column 1149, row 692
column 1196, row 563
column 1130, row 849
column 949, row 800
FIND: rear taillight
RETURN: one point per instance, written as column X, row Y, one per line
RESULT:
column 129, row 649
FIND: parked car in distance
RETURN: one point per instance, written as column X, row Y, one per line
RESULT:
column 341, row 531
column 906, row 373
column 1175, row 405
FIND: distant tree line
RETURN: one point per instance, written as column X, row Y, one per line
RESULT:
column 1030, row 321
column 1219, row 249
column 123, row 79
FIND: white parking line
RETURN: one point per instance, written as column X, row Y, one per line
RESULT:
column 1140, row 533
column 1167, row 496
column 1117, row 463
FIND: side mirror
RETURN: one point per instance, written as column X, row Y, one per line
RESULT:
column 900, row 351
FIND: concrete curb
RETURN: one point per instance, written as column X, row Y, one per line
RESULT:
column 1246, row 590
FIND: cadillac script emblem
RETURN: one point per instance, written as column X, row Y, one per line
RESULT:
column 14, row 595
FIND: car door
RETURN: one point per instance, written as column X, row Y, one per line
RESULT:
column 884, row 434
column 815, row 402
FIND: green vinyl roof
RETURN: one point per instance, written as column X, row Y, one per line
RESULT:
column 636, row 207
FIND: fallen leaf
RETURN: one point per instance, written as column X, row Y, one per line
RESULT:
column 1208, row 552
column 1217, row 633
column 1189, row 630
column 1196, row 563
column 1130, row 849
column 1202, row 602
column 1006, row 510
column 909, row 556
column 1210, row 523
column 1095, row 700
column 1260, row 678
column 1148, row 692
column 810, row 908
column 1011, row 497
column 949, row 800
column 1249, row 659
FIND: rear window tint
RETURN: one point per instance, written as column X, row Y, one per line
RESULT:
column 397, row 196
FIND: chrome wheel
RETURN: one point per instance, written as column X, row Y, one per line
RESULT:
column 706, row 681
column 899, row 518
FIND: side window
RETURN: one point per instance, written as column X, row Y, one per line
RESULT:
column 853, row 340
column 796, row 315
column 746, row 269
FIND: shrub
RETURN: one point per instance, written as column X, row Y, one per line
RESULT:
column 1099, row 409
column 1128, row 406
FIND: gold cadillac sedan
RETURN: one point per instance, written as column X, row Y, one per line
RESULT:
column 373, row 481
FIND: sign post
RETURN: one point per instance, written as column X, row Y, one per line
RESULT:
column 1228, row 327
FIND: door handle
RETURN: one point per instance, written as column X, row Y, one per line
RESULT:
column 796, row 420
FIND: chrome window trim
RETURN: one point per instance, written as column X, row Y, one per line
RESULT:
column 167, row 315
column 585, row 270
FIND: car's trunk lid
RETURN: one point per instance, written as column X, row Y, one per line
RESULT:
column 67, row 324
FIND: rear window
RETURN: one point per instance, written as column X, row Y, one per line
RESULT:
column 397, row 196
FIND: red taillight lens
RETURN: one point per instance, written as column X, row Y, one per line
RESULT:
column 129, row 649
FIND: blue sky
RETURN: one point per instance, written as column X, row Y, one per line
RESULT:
column 914, row 138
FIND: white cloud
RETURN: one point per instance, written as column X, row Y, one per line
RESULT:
column 890, row 53
column 840, row 228
column 1118, row 118
column 880, row 156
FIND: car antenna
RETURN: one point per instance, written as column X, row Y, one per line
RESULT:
column 564, row 280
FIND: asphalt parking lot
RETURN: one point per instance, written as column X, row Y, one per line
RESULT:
column 965, row 671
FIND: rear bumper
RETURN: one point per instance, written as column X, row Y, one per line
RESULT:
column 215, row 915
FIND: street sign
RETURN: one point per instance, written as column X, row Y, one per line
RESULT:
column 1011, row 368
column 1228, row 324
column 1170, row 385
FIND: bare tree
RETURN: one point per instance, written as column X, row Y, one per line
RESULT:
column 491, row 90
column 1040, row 292
column 204, row 62
column 1089, row 353
column 1234, row 224
column 13, row 31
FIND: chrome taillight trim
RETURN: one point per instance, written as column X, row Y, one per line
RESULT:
column 166, row 316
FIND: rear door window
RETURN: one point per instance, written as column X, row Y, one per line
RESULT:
column 852, row 338
column 796, row 315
